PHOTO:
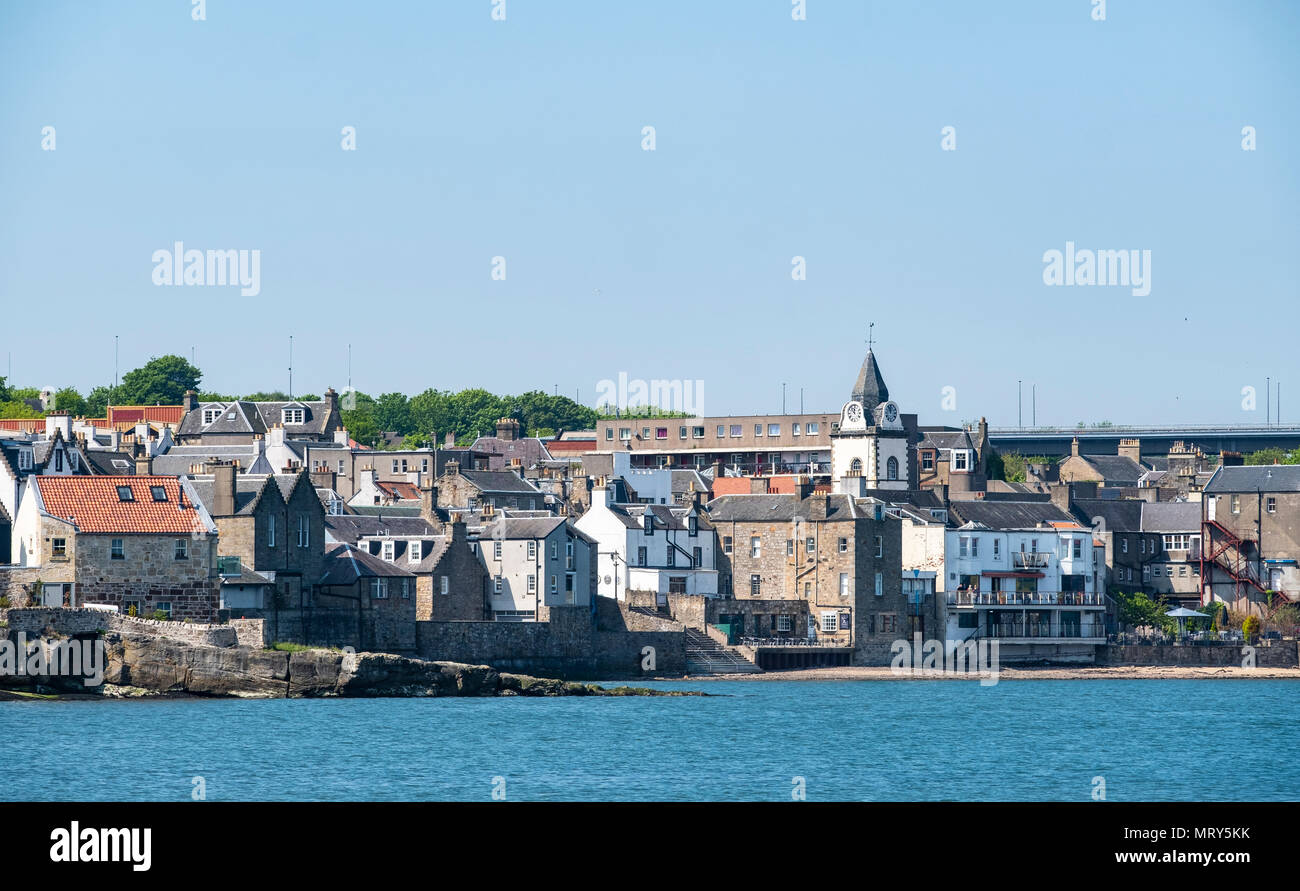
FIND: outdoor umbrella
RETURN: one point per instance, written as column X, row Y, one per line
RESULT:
column 1182, row 614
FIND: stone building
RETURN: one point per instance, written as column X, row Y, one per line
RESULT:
column 1250, row 552
column 383, row 595
column 142, row 544
column 452, row 583
column 240, row 421
column 822, row 566
column 275, row 525
column 1109, row 471
column 953, row 461
column 473, row 490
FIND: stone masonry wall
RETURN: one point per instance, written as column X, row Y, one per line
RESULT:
column 1285, row 654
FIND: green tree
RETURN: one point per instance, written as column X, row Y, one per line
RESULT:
column 543, row 413
column 472, row 413
column 69, row 400
column 16, row 408
column 430, row 412
column 393, row 413
column 162, row 380
column 1272, row 456
column 97, row 402
column 1137, row 608
column 360, row 421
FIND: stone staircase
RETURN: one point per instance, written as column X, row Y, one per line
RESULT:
column 704, row 655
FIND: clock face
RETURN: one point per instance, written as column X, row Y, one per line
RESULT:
column 854, row 412
column 891, row 412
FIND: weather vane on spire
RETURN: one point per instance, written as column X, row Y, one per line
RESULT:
column 869, row 334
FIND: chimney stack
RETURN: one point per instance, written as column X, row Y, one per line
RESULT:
column 190, row 401
column 1074, row 447
column 223, row 488
column 58, row 422
column 429, row 502
column 1131, row 448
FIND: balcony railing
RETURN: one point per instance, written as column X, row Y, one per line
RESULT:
column 1025, row 598
column 1030, row 560
column 1045, row 630
column 760, row 642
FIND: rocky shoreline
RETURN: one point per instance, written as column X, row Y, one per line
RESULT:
column 139, row 666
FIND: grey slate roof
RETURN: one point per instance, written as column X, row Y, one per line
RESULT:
column 246, row 577
column 500, row 481
column 179, row 460
column 870, row 387
column 529, row 449
column 352, row 528
column 1008, row 514
column 106, row 462
column 256, row 417
column 1171, row 516
column 1117, row 515
column 345, row 565
column 389, row 511
column 947, row 440
column 785, row 508
column 513, row 528
column 248, row 492
column 1248, row 478
column 1116, row 470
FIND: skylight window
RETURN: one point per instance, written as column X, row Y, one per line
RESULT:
column 158, row 493
column 124, row 493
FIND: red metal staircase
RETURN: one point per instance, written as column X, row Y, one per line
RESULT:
column 1223, row 549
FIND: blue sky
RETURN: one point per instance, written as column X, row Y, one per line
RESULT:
column 774, row 138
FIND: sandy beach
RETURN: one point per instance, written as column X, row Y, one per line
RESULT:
column 1049, row 673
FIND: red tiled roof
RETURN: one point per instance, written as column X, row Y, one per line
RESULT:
column 154, row 414
column 403, row 491
column 93, row 504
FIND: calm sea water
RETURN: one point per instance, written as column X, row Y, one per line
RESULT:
column 851, row 740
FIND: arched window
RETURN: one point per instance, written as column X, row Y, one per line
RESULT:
column 855, row 467
column 891, row 469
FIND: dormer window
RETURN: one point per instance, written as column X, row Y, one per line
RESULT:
column 649, row 522
column 960, row 459
column 25, row 459
column 294, row 415
column 211, row 414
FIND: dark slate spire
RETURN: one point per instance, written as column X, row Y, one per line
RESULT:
column 870, row 389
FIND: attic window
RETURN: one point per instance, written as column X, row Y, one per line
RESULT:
column 158, row 493
column 293, row 415
column 25, row 459
column 124, row 493
column 210, row 415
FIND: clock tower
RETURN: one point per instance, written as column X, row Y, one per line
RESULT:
column 869, row 441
